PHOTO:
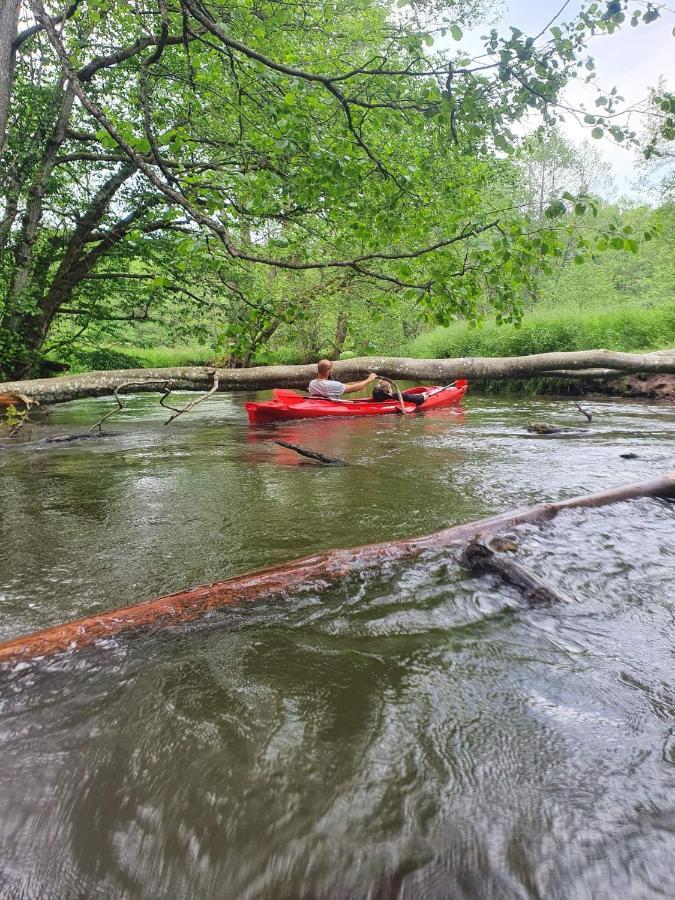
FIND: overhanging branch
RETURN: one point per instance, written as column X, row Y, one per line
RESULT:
column 196, row 214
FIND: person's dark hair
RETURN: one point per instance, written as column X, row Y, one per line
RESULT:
column 382, row 391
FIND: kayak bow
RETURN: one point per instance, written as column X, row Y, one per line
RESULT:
column 287, row 405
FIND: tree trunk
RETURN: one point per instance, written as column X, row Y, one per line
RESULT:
column 319, row 569
column 430, row 371
column 9, row 22
column 31, row 326
column 341, row 328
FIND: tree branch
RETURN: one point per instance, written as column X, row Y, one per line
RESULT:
column 34, row 29
column 178, row 411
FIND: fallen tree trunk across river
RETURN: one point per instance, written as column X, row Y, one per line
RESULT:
column 431, row 371
column 319, row 569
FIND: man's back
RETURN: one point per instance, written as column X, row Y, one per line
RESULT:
column 325, row 387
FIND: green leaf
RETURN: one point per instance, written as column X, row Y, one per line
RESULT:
column 106, row 140
column 597, row 133
column 554, row 209
column 456, row 32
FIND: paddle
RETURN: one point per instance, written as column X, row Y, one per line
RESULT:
column 460, row 382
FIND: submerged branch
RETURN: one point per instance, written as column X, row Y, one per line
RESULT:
column 313, row 454
column 479, row 557
column 318, row 569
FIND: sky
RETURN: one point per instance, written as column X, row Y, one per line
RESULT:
column 631, row 59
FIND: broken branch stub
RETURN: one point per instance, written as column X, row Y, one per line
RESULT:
column 479, row 557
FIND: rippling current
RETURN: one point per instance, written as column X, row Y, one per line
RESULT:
column 414, row 733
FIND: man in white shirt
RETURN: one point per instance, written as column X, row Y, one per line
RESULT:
column 324, row 386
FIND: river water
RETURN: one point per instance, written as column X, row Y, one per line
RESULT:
column 411, row 733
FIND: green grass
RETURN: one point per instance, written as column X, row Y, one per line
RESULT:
column 283, row 355
column 108, row 358
column 167, row 357
column 627, row 327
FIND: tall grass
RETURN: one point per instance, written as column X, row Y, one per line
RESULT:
column 626, row 327
column 167, row 357
column 109, row 358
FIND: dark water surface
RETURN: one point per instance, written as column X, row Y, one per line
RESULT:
column 411, row 734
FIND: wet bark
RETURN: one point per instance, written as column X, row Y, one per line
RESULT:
column 317, row 570
column 313, row 454
column 479, row 557
column 430, row 371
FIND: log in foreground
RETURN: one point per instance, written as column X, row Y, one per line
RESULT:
column 319, row 569
column 430, row 371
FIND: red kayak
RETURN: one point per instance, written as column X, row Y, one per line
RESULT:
column 288, row 405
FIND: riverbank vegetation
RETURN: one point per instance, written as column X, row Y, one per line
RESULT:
column 621, row 301
column 281, row 184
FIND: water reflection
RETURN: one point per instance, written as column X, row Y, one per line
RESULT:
column 414, row 733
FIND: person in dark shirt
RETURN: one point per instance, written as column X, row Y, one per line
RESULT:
column 383, row 391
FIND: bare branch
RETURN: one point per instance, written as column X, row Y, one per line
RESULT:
column 120, row 405
column 179, row 411
column 313, row 454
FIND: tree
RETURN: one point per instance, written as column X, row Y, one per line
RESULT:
column 305, row 137
column 657, row 163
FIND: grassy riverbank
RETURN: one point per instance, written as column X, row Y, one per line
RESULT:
column 628, row 327
column 129, row 357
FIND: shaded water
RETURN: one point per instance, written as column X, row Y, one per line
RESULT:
column 411, row 734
